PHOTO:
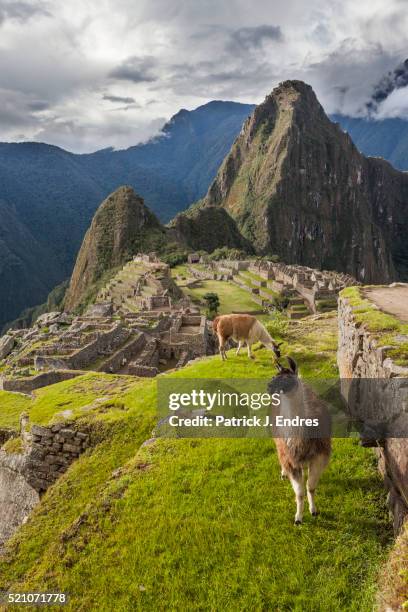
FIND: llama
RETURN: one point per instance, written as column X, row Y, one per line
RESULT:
column 244, row 329
column 297, row 453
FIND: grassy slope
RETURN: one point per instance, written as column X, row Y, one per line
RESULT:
column 11, row 406
column 203, row 524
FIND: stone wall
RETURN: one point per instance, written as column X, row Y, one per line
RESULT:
column 28, row 384
column 124, row 355
column 47, row 453
column 51, row 451
column 104, row 342
column 359, row 356
column 17, row 496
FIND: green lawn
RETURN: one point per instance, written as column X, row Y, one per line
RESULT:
column 232, row 297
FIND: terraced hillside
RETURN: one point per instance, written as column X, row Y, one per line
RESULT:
column 262, row 286
column 195, row 524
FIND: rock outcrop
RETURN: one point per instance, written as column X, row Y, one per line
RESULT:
column 121, row 227
column 6, row 345
column 298, row 187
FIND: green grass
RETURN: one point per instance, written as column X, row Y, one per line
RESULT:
column 13, row 445
column 246, row 274
column 203, row 525
column 232, row 297
column 198, row 524
column 387, row 329
column 394, row 576
column 11, row 407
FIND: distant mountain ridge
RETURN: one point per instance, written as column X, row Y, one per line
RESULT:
column 387, row 138
column 52, row 194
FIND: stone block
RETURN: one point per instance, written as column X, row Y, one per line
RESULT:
column 82, row 436
column 37, row 454
column 71, row 448
column 67, row 433
column 44, row 432
column 50, row 459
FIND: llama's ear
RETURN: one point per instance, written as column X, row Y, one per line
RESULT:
column 279, row 366
column 292, row 364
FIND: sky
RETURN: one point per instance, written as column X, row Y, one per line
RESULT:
column 91, row 74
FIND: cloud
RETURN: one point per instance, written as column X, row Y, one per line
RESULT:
column 246, row 39
column 61, row 63
column 21, row 11
column 135, row 69
column 343, row 78
column 395, row 79
column 82, row 135
column 123, row 100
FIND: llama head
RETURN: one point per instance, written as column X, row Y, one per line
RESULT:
column 286, row 380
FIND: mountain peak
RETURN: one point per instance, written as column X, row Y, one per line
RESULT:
column 297, row 186
column 121, row 227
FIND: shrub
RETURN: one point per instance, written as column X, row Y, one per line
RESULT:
column 213, row 303
column 278, row 325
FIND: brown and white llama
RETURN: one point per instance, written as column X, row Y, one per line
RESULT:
column 299, row 450
column 244, row 329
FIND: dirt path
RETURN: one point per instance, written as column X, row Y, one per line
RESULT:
column 393, row 300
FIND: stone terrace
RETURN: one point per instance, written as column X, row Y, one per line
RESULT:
column 303, row 290
column 138, row 325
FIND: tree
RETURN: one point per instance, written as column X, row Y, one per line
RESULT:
column 213, row 303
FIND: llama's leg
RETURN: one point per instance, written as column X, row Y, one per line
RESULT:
column 250, row 355
column 296, row 479
column 239, row 346
column 221, row 342
column 316, row 468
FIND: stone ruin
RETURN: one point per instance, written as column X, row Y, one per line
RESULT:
column 306, row 290
column 140, row 335
column 47, row 452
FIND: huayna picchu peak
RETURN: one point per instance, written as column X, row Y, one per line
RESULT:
column 122, row 226
column 297, row 186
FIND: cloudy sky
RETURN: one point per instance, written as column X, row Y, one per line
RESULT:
column 87, row 75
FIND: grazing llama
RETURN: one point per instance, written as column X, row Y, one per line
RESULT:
column 301, row 451
column 244, row 329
